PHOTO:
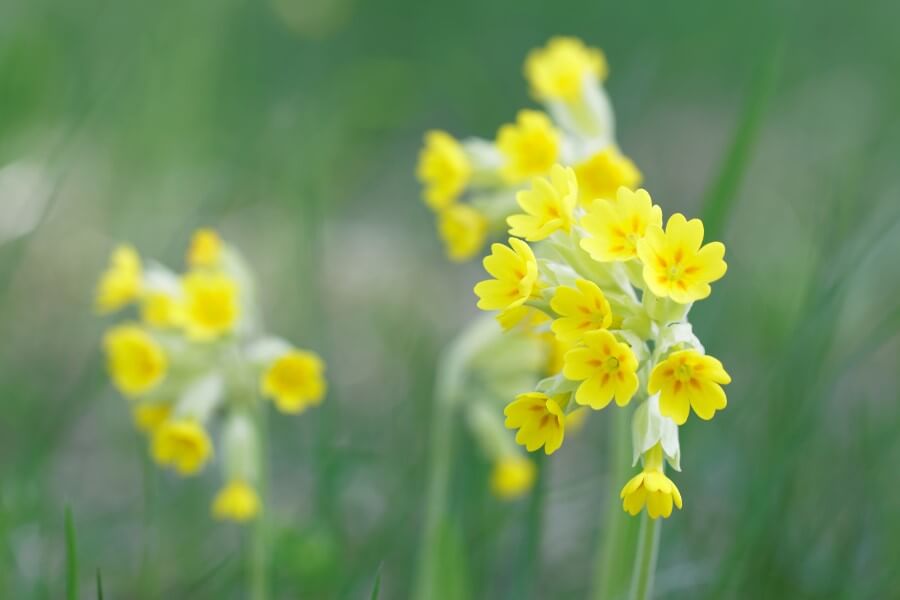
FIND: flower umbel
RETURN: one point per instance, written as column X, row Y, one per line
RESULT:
column 688, row 379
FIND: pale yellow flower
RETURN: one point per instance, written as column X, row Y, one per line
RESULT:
column 463, row 229
column 529, row 147
column 294, row 381
column 237, row 502
column 211, row 305
column 135, row 360
column 120, row 284
column 558, row 71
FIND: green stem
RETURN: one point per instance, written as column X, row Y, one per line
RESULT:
column 450, row 381
column 619, row 530
column 258, row 543
column 645, row 560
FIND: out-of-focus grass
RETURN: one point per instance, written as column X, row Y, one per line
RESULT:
column 293, row 127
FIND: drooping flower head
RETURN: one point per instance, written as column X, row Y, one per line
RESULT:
column 237, row 502
column 676, row 266
column 651, row 488
column 444, row 169
column 688, row 379
column 549, row 206
column 614, row 228
column 136, row 362
column 561, row 68
column 539, row 419
column 529, row 147
column 182, row 444
column 120, row 284
column 294, row 381
column 607, row 369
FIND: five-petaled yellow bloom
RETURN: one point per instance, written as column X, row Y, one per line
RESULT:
column 294, row 381
column 463, row 229
column 512, row 476
column 614, row 228
column 581, row 309
column 237, row 501
column 607, row 369
column 444, row 169
column 529, row 147
column 182, row 444
column 549, row 206
column 211, row 305
column 205, row 250
column 675, row 264
column 652, row 488
column 539, row 419
column 601, row 175
column 558, row 71
column 515, row 272
column 136, row 361
column 688, row 379
column 120, row 284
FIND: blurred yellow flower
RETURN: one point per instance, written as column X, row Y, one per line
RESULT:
column 652, row 488
column 549, row 205
column 148, row 416
column 205, row 250
column 463, row 229
column 162, row 310
column 601, row 175
column 135, row 360
column 581, row 309
column 120, row 284
column 512, row 477
column 237, row 501
column 688, row 379
column 539, row 419
column 526, row 316
column 182, row 444
column 558, row 71
column 211, row 306
column 556, row 351
column 606, row 367
column 614, row 228
column 444, row 169
column 529, row 147
column 515, row 272
column 294, row 381
column 675, row 264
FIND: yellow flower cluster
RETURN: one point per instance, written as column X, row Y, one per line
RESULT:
column 191, row 359
column 471, row 184
column 592, row 263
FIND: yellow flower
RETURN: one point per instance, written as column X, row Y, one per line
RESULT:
column 539, row 419
column 614, row 228
column 558, row 70
column 182, row 444
column 136, row 362
column 160, row 309
column 237, row 501
column 527, row 316
column 211, row 306
column 150, row 415
column 205, row 250
column 688, row 379
column 549, row 205
column 444, row 169
column 604, row 173
column 463, row 230
column 530, row 146
column 512, row 477
column 675, row 264
column 606, row 367
column 556, row 353
column 580, row 310
column 120, row 284
column 515, row 272
column 652, row 488
column 294, row 381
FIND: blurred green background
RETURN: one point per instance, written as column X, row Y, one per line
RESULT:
column 292, row 126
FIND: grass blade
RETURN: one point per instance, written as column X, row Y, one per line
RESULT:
column 99, row 585
column 376, row 587
column 71, row 558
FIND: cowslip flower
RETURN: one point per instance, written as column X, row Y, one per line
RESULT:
column 515, row 273
column 211, row 305
column 607, row 369
column 559, row 70
column 614, row 228
column 603, row 173
column 686, row 380
column 512, row 476
column 581, row 309
column 676, row 266
column 549, row 206
column 463, row 230
column 136, row 362
column 237, row 501
column 651, row 488
column 120, row 284
column 529, row 147
column 539, row 419
column 443, row 168
column 182, row 444
column 294, row 381
column 148, row 416
column 205, row 250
